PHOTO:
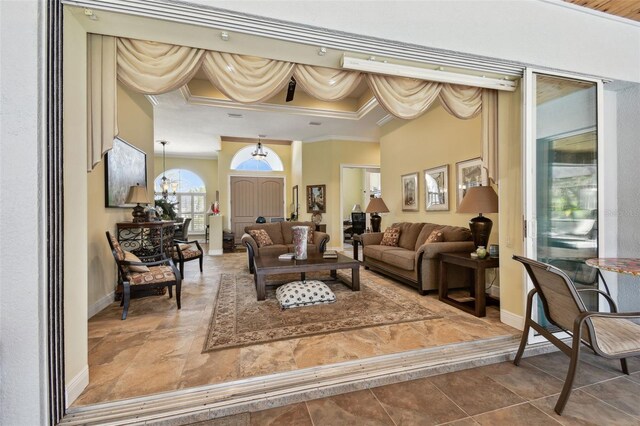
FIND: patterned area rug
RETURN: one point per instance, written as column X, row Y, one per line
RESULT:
column 238, row 319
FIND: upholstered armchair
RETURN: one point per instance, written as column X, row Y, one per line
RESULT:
column 184, row 251
column 142, row 273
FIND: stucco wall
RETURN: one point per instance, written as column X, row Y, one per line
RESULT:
column 22, row 249
column 628, row 203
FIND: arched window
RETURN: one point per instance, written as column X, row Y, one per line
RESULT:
column 190, row 194
column 243, row 160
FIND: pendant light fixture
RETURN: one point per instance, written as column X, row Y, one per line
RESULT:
column 259, row 153
column 166, row 183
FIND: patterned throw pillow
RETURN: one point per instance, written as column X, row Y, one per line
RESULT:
column 130, row 257
column 436, row 236
column 261, row 237
column 391, row 237
column 304, row 293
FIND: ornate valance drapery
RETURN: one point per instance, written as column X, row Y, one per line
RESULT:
column 155, row 68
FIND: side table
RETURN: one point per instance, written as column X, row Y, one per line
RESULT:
column 476, row 304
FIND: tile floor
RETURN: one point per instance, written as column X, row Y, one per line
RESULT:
column 159, row 348
column 499, row 394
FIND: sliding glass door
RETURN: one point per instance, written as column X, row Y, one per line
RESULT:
column 562, row 171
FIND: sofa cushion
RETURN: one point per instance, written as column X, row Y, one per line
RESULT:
column 287, row 232
column 427, row 229
column 274, row 250
column 261, row 237
column 456, row 233
column 390, row 237
column 436, row 236
column 273, row 229
column 400, row 258
column 376, row 252
column 408, row 234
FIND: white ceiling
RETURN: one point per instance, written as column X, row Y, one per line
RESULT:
column 194, row 130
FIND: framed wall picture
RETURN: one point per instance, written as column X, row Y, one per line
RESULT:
column 125, row 166
column 410, row 192
column 469, row 173
column 316, row 198
column 436, row 188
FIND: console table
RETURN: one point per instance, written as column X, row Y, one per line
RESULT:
column 476, row 304
column 146, row 238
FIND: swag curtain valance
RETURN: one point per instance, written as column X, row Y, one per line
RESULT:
column 154, row 68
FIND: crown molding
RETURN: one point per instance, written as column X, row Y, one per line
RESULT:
column 384, row 120
column 192, row 99
column 341, row 138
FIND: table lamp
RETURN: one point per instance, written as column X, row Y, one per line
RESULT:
column 480, row 199
column 138, row 194
column 376, row 205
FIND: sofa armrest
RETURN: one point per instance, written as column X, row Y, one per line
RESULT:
column 371, row 238
column 320, row 240
column 248, row 241
column 432, row 250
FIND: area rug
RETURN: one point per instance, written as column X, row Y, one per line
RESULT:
column 239, row 319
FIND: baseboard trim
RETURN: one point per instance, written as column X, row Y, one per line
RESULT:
column 102, row 303
column 215, row 252
column 509, row 318
column 258, row 393
column 75, row 387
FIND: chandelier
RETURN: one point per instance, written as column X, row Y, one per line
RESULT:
column 259, row 152
column 166, row 183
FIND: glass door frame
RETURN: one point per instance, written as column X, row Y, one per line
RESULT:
column 529, row 174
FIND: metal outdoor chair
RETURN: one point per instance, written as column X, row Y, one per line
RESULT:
column 610, row 335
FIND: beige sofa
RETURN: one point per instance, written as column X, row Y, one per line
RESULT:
column 415, row 262
column 282, row 236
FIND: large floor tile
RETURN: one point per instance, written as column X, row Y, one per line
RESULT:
column 475, row 392
column 517, row 415
column 355, row 408
column 417, row 402
column 289, row 415
column 524, row 380
column 557, row 365
column 268, row 358
column 320, row 350
column 622, row 393
column 584, row 409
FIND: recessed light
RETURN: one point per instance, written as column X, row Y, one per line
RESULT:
column 322, row 51
column 224, row 36
column 234, row 115
column 262, row 136
column 314, row 123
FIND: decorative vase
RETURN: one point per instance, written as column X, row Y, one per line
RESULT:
column 300, row 234
column 481, row 252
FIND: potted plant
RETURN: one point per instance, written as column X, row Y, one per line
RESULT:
column 168, row 209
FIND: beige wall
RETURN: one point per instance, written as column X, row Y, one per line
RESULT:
column 321, row 163
column 434, row 139
column 135, row 122
column 512, row 292
column 206, row 169
column 352, row 189
column 75, row 198
column 224, row 161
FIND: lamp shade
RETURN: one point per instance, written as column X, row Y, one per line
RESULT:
column 137, row 194
column 376, row 205
column 356, row 208
column 479, row 199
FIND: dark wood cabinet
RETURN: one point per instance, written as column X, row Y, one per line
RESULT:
column 321, row 227
column 146, row 238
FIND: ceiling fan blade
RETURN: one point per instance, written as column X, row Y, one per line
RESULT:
column 291, row 90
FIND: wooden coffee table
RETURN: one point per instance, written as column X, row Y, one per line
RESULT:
column 271, row 265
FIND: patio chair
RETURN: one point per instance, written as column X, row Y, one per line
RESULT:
column 610, row 335
column 143, row 274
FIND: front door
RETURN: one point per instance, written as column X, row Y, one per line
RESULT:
column 252, row 197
